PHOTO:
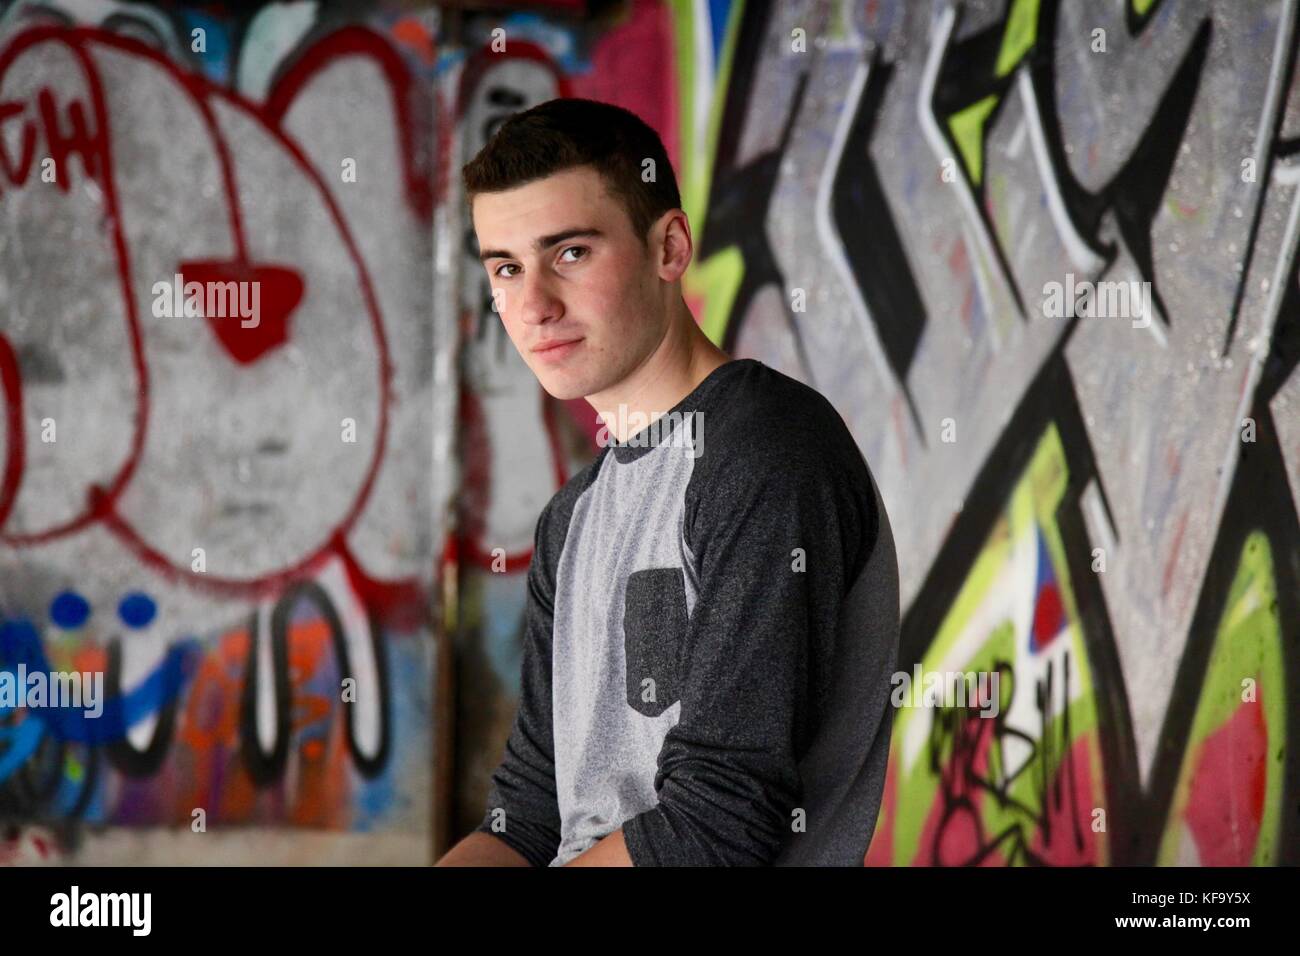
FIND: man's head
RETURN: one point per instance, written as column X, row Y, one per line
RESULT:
column 580, row 228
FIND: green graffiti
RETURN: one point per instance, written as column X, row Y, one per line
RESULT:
column 1020, row 36
column 1246, row 661
column 986, row 629
column 718, row 280
column 968, row 131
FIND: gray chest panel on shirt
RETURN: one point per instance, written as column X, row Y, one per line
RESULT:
column 624, row 571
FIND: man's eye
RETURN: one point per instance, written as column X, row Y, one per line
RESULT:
column 506, row 265
column 581, row 249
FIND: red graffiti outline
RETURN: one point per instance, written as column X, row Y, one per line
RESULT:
column 100, row 139
column 15, row 428
column 360, row 41
column 103, row 501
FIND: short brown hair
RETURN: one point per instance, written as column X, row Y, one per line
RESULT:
column 563, row 133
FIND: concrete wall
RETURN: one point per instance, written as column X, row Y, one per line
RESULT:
column 1080, row 502
column 238, row 524
column 1101, row 507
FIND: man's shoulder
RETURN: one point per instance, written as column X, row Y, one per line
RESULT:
column 775, row 456
column 763, row 418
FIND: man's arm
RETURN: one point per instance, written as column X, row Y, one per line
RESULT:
column 482, row 849
column 609, row 851
column 778, row 530
column 523, row 818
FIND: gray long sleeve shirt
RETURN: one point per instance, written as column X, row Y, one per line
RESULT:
column 710, row 629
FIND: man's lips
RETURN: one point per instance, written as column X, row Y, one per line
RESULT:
column 555, row 347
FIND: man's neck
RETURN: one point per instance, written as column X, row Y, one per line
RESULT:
column 682, row 361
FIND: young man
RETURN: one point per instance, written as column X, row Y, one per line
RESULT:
column 712, row 609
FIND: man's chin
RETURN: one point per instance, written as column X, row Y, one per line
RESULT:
column 560, row 387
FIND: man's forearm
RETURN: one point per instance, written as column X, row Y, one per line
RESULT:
column 609, row 851
column 482, row 849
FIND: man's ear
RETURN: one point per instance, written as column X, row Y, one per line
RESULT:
column 674, row 244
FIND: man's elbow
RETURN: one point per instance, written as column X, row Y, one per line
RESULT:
column 691, row 830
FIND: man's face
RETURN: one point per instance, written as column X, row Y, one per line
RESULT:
column 575, row 287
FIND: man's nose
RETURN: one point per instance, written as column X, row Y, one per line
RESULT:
column 538, row 303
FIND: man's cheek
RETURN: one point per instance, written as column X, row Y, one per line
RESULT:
column 511, row 328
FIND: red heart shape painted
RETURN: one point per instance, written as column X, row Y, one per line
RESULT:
column 278, row 291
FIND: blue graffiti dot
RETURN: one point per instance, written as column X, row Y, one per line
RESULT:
column 136, row 609
column 69, row 610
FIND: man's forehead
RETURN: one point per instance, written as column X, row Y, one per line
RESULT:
column 518, row 217
column 560, row 194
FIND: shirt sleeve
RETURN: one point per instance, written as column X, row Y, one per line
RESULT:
column 523, row 784
column 777, row 535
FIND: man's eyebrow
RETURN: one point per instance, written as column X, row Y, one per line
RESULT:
column 543, row 242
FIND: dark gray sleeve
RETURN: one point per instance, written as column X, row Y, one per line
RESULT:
column 523, row 784
column 780, row 524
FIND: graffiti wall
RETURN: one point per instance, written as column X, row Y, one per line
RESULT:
column 236, row 522
column 925, row 209
column 1100, row 506
column 887, row 198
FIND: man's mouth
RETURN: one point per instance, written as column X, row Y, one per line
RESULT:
column 555, row 349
